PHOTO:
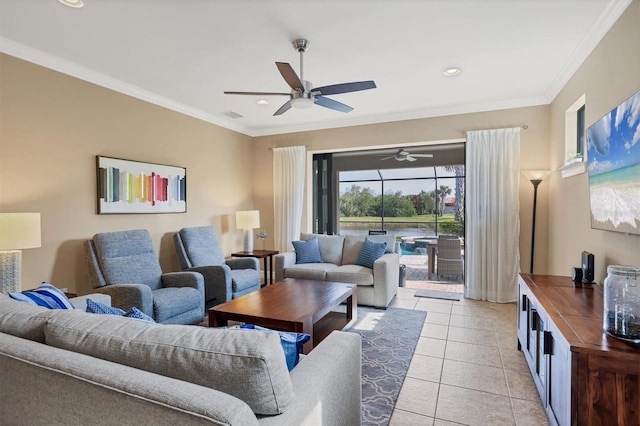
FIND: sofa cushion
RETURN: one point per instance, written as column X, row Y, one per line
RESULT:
column 24, row 320
column 309, row 271
column 370, row 252
column 249, row 365
column 330, row 247
column 307, row 251
column 244, row 279
column 354, row 274
column 171, row 301
column 389, row 239
column 47, row 296
column 352, row 246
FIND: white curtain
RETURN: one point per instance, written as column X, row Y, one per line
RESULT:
column 493, row 222
column 288, row 193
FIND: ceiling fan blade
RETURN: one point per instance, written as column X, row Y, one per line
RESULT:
column 258, row 93
column 387, row 158
column 422, row 155
column 335, row 89
column 284, row 108
column 331, row 104
column 410, row 158
column 290, row 76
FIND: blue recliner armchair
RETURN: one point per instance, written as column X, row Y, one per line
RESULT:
column 198, row 250
column 124, row 265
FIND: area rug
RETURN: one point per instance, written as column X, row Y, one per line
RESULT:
column 389, row 339
column 434, row 294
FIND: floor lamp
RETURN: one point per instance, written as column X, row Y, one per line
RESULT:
column 535, row 177
column 17, row 231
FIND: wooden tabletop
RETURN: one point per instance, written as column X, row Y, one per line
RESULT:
column 577, row 311
column 303, row 306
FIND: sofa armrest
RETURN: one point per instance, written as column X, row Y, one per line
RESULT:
column 386, row 273
column 80, row 302
column 126, row 296
column 327, row 385
column 284, row 260
column 243, row 263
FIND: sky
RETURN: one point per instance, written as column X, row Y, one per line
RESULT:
column 612, row 141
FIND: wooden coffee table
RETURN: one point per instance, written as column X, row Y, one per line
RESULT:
column 302, row 306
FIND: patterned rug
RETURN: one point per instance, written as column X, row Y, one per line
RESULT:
column 389, row 339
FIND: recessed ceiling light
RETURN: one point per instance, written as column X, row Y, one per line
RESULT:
column 77, row 4
column 451, row 71
column 262, row 102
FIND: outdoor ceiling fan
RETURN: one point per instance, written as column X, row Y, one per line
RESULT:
column 403, row 155
column 303, row 94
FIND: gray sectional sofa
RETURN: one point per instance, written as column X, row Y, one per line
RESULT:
column 376, row 287
column 69, row 367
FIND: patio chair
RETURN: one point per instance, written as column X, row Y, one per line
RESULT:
column 449, row 258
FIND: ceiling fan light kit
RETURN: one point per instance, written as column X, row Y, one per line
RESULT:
column 303, row 95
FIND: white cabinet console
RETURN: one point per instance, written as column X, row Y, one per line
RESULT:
column 583, row 376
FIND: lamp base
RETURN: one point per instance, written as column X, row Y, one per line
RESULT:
column 10, row 265
column 248, row 241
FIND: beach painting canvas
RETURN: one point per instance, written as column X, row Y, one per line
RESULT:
column 613, row 150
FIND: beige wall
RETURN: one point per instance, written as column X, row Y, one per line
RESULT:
column 534, row 155
column 610, row 75
column 51, row 128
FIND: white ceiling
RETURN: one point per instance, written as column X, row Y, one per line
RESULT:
column 182, row 54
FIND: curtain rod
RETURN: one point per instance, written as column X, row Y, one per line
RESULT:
column 271, row 148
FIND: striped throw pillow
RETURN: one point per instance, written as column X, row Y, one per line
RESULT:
column 307, row 251
column 370, row 252
column 47, row 296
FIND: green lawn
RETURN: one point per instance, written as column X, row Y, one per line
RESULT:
column 412, row 219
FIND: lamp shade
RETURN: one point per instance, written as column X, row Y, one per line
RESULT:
column 248, row 219
column 536, row 174
column 19, row 231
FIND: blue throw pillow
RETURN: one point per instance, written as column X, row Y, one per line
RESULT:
column 47, row 296
column 94, row 307
column 292, row 343
column 370, row 252
column 307, row 251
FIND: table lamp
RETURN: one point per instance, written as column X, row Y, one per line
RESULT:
column 17, row 231
column 248, row 220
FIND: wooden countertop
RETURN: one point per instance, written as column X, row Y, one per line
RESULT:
column 578, row 311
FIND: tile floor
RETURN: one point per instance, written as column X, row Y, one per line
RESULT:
column 466, row 368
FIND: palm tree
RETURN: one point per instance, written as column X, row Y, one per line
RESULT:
column 442, row 193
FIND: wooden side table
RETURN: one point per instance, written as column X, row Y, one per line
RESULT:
column 261, row 254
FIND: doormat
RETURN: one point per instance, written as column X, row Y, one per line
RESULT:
column 433, row 294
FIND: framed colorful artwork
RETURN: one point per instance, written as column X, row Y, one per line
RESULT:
column 126, row 186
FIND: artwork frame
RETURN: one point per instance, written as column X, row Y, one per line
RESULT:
column 135, row 187
column 613, row 148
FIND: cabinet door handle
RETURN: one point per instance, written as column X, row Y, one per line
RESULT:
column 523, row 305
column 547, row 343
column 534, row 319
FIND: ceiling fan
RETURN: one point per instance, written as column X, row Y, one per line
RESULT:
column 403, row 155
column 303, row 94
